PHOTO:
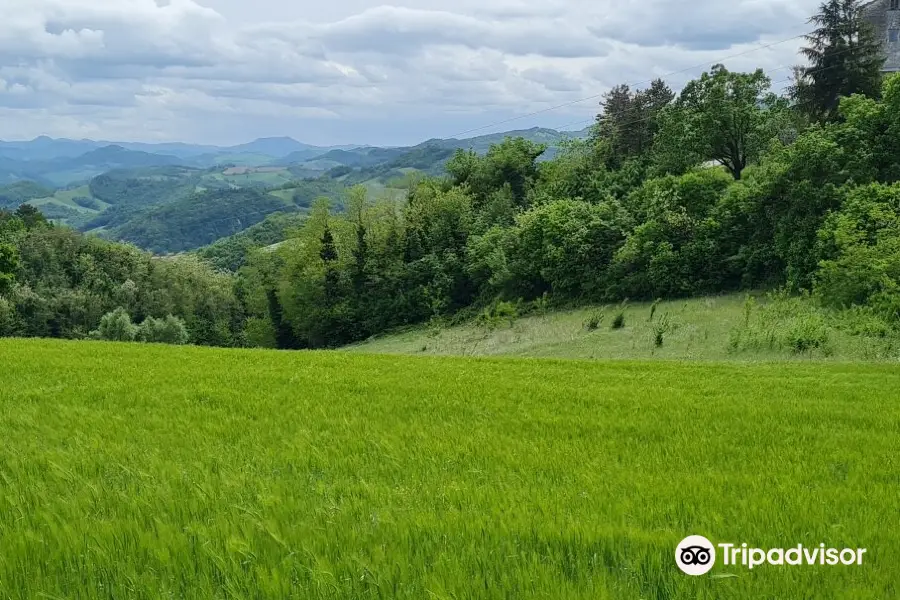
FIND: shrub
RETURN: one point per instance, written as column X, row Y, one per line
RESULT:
column 787, row 323
column 619, row 320
column 170, row 330
column 860, row 248
column 593, row 321
column 653, row 308
column 662, row 327
column 7, row 317
column 497, row 314
column 563, row 246
column 541, row 305
column 807, row 333
column 116, row 326
column 864, row 321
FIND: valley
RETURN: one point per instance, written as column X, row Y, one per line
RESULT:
column 116, row 190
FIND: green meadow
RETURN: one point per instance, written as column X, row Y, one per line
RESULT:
column 726, row 327
column 142, row 471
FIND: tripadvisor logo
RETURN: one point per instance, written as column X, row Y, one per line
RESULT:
column 696, row 555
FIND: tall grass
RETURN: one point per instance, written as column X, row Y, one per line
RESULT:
column 132, row 471
column 797, row 325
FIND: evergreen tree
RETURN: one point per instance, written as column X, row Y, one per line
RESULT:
column 845, row 57
column 9, row 266
column 31, row 216
column 628, row 121
column 284, row 336
column 328, row 252
column 360, row 256
column 332, row 276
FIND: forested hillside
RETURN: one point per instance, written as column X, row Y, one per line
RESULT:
column 198, row 220
column 14, row 194
column 56, row 282
column 230, row 253
column 720, row 187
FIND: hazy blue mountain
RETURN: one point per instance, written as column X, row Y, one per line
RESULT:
column 45, row 148
column 276, row 146
column 62, row 162
column 119, row 157
column 300, row 156
column 179, row 149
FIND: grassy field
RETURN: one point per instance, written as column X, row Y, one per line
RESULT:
column 699, row 329
column 131, row 471
column 269, row 178
column 66, row 198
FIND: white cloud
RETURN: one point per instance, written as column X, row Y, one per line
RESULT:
column 354, row 71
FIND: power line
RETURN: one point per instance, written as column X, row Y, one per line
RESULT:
column 595, row 96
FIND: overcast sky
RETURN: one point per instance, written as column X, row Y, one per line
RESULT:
column 357, row 71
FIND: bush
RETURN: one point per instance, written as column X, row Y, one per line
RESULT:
column 806, row 334
column 594, row 320
column 865, row 321
column 563, row 247
column 860, row 248
column 541, row 305
column 661, row 328
column 787, row 323
column 170, row 330
column 619, row 320
column 7, row 318
column 653, row 308
column 498, row 313
column 116, row 326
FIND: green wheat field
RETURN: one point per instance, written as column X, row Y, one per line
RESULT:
column 140, row 471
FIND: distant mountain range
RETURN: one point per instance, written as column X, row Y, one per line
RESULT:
column 64, row 162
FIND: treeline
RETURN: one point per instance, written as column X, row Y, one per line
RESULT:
column 723, row 186
column 56, row 282
column 230, row 253
column 198, row 219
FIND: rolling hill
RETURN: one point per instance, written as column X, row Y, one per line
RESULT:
column 230, row 253
column 63, row 162
column 197, row 220
column 14, row 194
column 137, row 191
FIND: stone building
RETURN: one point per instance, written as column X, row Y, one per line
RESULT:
column 885, row 16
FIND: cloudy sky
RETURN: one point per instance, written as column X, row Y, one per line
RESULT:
column 358, row 71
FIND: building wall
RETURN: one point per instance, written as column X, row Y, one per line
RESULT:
column 887, row 24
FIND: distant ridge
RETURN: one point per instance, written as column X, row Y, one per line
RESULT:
column 61, row 162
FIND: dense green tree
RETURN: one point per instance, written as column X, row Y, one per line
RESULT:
column 562, row 247
column 845, row 57
column 629, row 120
column 9, row 267
column 170, row 330
column 723, row 116
column 332, row 275
column 284, row 336
column 30, row 216
column 860, row 250
column 232, row 252
column 116, row 326
column 672, row 250
column 512, row 164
